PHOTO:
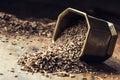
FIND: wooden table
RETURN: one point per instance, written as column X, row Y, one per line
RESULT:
column 109, row 70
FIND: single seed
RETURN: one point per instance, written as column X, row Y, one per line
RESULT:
column 1, row 73
column 72, row 76
column 16, row 76
column 11, row 70
column 10, row 53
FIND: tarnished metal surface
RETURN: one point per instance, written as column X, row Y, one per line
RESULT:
column 100, row 38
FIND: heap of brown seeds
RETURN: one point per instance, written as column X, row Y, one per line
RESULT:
column 11, row 25
column 61, row 58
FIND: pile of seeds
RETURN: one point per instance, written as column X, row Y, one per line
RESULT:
column 11, row 25
column 61, row 58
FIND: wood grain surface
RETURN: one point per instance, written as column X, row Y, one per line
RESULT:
column 13, row 47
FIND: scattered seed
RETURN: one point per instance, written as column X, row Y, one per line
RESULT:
column 84, row 78
column 72, row 76
column 49, row 34
column 62, row 74
column 10, row 53
column 16, row 76
column 105, row 76
column 98, row 77
column 27, row 43
column 47, row 75
column 22, row 47
column 1, row 73
column 11, row 70
column 31, row 41
column 14, row 43
column 5, row 41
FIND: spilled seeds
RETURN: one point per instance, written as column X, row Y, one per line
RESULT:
column 11, row 26
column 63, row 57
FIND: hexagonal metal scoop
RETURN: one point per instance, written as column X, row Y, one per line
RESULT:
column 100, row 38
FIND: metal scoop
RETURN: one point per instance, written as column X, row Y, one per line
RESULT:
column 100, row 39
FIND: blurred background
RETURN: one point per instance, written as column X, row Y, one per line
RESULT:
column 105, row 9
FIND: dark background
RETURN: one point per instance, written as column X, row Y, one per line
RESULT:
column 105, row 9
